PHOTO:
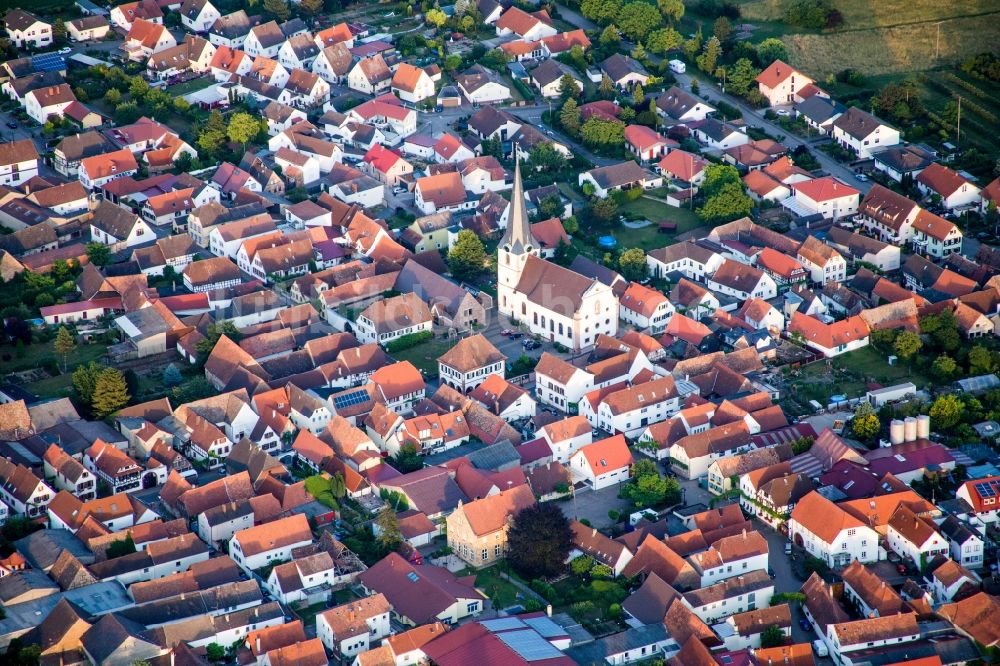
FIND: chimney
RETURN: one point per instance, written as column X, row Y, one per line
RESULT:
column 258, row 644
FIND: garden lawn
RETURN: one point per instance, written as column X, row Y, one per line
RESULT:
column 37, row 355
column 191, row 86
column 425, row 355
column 501, row 592
column 588, row 602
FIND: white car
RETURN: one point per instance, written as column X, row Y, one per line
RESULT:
column 819, row 647
column 64, row 50
column 782, row 112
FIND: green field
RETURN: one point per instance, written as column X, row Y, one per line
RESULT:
column 424, row 356
column 884, row 37
column 191, row 86
column 648, row 238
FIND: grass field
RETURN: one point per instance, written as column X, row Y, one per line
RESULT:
column 424, row 356
column 882, row 37
column 191, row 86
column 501, row 592
column 648, row 238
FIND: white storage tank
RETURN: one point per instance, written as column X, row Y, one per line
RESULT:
column 923, row 426
column 896, row 431
column 909, row 429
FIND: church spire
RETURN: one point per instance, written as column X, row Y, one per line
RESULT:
column 517, row 238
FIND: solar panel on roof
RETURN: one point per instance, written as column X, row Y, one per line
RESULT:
column 985, row 490
column 353, row 398
column 529, row 645
column 48, row 62
column 545, row 626
column 502, row 624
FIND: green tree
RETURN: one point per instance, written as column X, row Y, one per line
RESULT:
column 311, row 7
column 946, row 411
column 581, row 565
column 663, row 40
column 907, row 344
column 606, row 90
column 637, row 18
column 59, row 31
column 278, row 9
column 638, row 94
column 730, row 203
column 436, row 17
column 212, row 335
column 467, row 258
column 85, row 380
column 407, row 459
column 772, row 637
column 741, row 77
column 771, row 49
column 567, row 87
column 691, row 47
column 632, row 264
column 120, row 547
column 944, row 367
column 544, row 158
column 718, row 175
column 672, row 10
column 338, row 487
column 604, row 133
column 243, row 128
column 604, row 209
column 610, row 37
column 215, row 652
column 981, row 360
column 600, row 11
column 649, row 488
column 722, row 29
column 64, row 344
column 171, row 375
column 389, row 535
column 539, row 541
column 571, row 225
column 110, row 393
column 98, row 254
column 709, row 55
column 865, row 424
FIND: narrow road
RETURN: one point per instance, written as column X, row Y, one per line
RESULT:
column 751, row 116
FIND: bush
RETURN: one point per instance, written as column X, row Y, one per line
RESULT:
column 601, row 572
column 408, row 341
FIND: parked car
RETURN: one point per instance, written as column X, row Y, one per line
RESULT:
column 64, row 50
column 531, row 344
column 861, row 177
column 783, row 112
column 516, row 336
column 505, row 332
column 819, row 647
column 805, row 624
column 788, row 548
column 11, row 124
column 770, row 572
column 901, row 568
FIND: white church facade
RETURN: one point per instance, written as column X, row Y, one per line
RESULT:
column 553, row 302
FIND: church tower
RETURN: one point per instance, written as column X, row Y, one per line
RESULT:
column 515, row 247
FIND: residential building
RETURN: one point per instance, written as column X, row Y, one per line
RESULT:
column 477, row 530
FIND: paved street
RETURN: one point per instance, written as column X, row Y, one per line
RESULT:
column 593, row 505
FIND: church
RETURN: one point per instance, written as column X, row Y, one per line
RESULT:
column 553, row 302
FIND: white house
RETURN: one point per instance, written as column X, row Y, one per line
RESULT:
column 731, row 556
column 955, row 190
column 782, row 84
column 830, row 533
column 719, row 135
column 966, row 545
column 935, row 235
column 914, row 537
column 826, row 196
column 199, row 15
column 412, row 84
column 830, row 339
column 354, row 627
column 630, row 410
column 119, row 228
column 469, row 362
column 871, row 633
column 823, row 262
column 482, row 86
column 603, row 463
column 268, row 543
column 741, row 593
column 26, row 30
column 567, row 436
column 265, row 39
column 42, row 103
column 645, row 308
column 623, row 176
column 560, row 384
column 741, row 281
column 87, row 28
column 863, row 133
column 18, row 162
